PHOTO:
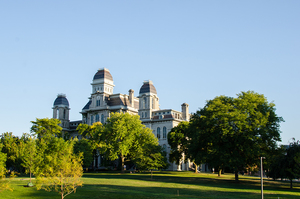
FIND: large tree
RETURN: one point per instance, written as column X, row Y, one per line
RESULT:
column 235, row 132
column 122, row 131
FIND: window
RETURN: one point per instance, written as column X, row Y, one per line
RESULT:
column 57, row 113
column 164, row 132
column 142, row 114
column 92, row 119
column 102, row 118
column 64, row 113
column 97, row 118
column 146, row 115
column 158, row 132
column 98, row 103
column 145, row 102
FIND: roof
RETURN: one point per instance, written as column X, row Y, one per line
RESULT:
column 148, row 87
column 87, row 106
column 61, row 100
column 103, row 74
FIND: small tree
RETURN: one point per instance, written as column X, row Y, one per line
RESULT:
column 59, row 169
column 30, row 156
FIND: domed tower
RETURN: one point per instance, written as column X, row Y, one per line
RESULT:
column 61, row 110
column 148, row 100
column 103, row 82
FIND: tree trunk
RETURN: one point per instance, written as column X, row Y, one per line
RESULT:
column 196, row 168
column 122, row 161
column 236, row 175
column 291, row 183
column 219, row 172
column 151, row 174
column 30, row 175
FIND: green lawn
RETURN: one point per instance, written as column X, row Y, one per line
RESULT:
column 164, row 185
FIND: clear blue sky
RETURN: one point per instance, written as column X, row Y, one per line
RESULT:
column 193, row 51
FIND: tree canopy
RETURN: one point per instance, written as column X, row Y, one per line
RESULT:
column 234, row 132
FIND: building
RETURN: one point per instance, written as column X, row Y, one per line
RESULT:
column 103, row 102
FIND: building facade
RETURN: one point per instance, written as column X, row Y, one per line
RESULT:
column 103, row 102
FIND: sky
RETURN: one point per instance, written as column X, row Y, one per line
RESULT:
column 192, row 50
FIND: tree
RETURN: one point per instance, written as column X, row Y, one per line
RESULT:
column 29, row 156
column 13, row 147
column 234, row 132
column 287, row 163
column 46, row 127
column 58, row 168
column 84, row 146
column 178, row 139
column 149, row 155
column 121, row 136
column 3, row 181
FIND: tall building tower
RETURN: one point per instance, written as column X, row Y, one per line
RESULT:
column 148, row 100
column 61, row 110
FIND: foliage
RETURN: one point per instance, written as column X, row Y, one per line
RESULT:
column 84, row 146
column 150, row 156
column 29, row 156
column 14, row 148
column 234, row 132
column 178, row 139
column 58, row 168
column 46, row 127
column 287, row 163
column 3, row 181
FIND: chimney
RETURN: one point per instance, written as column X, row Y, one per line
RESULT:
column 185, row 112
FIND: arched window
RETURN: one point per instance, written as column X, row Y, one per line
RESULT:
column 164, row 132
column 102, row 118
column 158, row 132
column 97, row 118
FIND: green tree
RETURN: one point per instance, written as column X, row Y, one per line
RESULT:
column 84, row 146
column 148, row 154
column 13, row 147
column 235, row 132
column 121, row 133
column 179, row 141
column 4, row 183
column 46, row 127
column 30, row 156
column 58, row 168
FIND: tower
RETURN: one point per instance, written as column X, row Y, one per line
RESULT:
column 148, row 100
column 61, row 110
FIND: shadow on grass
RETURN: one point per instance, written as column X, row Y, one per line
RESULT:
column 118, row 191
column 251, row 183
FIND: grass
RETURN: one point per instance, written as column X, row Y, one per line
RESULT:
column 164, row 185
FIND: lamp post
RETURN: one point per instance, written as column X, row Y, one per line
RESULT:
column 261, row 177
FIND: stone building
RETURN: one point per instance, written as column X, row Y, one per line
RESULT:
column 103, row 101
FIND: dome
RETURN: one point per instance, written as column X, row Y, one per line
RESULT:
column 148, row 87
column 103, row 74
column 61, row 100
